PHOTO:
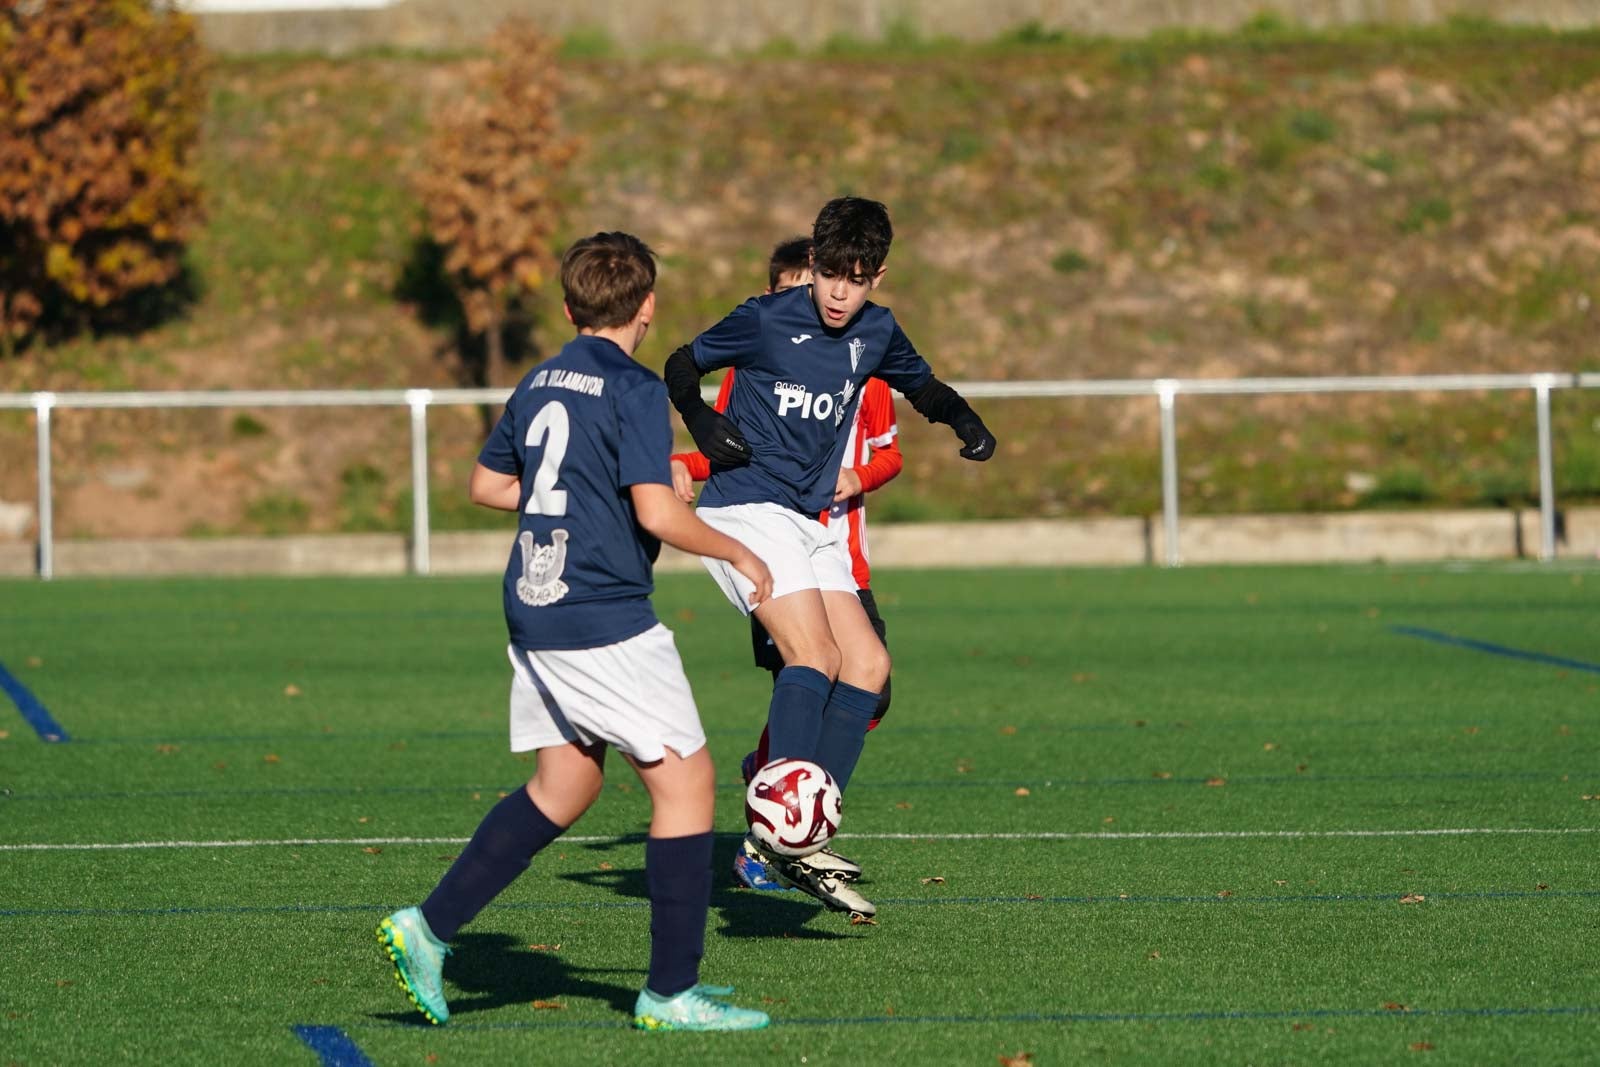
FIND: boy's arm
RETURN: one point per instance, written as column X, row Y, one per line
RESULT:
column 882, row 436
column 660, row 512
column 715, row 434
column 495, row 489
column 937, row 402
column 695, row 463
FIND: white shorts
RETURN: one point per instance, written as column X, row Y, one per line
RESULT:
column 632, row 695
column 800, row 552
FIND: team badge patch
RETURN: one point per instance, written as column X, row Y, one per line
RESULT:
column 858, row 347
column 542, row 565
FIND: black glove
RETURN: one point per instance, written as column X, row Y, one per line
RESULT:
column 718, row 439
column 977, row 440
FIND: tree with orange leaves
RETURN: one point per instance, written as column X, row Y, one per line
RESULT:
column 489, row 184
column 100, row 110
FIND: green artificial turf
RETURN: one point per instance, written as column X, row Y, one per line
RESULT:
column 1198, row 804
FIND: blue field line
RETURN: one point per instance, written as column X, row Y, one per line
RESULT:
column 962, row 782
column 333, row 1046
column 1210, row 899
column 1209, row 1016
column 32, row 710
column 1496, row 650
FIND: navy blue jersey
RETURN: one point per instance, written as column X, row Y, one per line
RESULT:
column 795, row 393
column 581, row 428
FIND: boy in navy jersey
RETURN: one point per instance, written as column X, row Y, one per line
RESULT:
column 582, row 453
column 802, row 357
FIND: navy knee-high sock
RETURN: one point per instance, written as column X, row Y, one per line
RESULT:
column 844, row 730
column 678, row 871
column 500, row 850
column 794, row 718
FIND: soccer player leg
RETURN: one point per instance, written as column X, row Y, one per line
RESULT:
column 798, row 623
column 677, row 860
column 863, row 668
column 869, row 604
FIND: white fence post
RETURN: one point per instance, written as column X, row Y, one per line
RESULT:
column 42, row 404
column 420, row 534
column 1167, row 393
column 1547, row 478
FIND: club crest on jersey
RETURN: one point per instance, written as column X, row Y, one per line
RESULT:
column 541, row 583
column 858, row 347
column 845, row 395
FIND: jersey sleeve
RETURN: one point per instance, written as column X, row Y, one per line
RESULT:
column 644, row 436
column 699, row 466
column 902, row 367
column 881, row 434
column 733, row 342
column 500, row 452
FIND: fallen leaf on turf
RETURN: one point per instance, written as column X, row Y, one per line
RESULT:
column 1392, row 1005
column 1109, row 819
column 1280, row 881
column 547, row 948
column 291, row 690
column 372, row 850
column 1591, row 796
column 219, row 766
column 604, row 865
column 1541, row 885
column 1018, row 1059
column 1268, row 746
column 1304, row 1026
column 1032, row 896
column 903, row 805
column 166, row 750
column 446, row 859
column 1422, row 1046
column 62, row 983
column 35, row 661
column 963, row 766
column 319, row 981
column 1138, row 722
column 1082, row 676
column 1008, row 730
column 1225, row 894
column 549, row 1005
column 1152, row 956
column 432, row 1057
column 862, row 920
column 1022, row 791
column 271, row 757
column 1162, row 775
column 1413, row 898
column 1216, row 781
column 935, row 880
column 365, row 818
column 1470, row 730
column 4, row 734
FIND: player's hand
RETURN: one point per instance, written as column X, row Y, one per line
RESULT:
column 849, row 485
column 977, row 442
column 682, row 481
column 751, row 567
column 719, row 440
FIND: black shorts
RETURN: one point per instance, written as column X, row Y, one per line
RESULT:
column 767, row 655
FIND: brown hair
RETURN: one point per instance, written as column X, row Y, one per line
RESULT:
column 790, row 257
column 605, row 278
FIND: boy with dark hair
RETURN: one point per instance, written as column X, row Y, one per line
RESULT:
column 871, row 459
column 581, row 453
column 802, row 357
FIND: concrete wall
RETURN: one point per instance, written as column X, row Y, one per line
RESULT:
column 1343, row 538
column 730, row 25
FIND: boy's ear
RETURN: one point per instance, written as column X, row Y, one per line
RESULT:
column 878, row 277
column 647, row 310
column 567, row 312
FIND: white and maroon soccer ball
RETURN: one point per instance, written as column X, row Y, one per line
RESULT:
column 793, row 807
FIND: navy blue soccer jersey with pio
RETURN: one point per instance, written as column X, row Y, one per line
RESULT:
column 797, row 387
column 580, row 429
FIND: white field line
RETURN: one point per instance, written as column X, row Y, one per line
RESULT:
column 1154, row 835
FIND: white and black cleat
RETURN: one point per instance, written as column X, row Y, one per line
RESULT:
column 830, row 862
column 831, row 888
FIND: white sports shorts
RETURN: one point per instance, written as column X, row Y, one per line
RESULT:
column 800, row 552
column 632, row 695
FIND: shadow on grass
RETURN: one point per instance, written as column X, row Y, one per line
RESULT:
column 746, row 913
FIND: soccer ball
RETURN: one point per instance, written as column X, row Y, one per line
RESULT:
column 793, row 807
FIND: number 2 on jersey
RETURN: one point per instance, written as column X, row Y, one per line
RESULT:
column 549, row 426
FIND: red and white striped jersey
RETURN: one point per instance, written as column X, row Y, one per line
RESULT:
column 872, row 451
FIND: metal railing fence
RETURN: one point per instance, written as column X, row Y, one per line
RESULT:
column 1165, row 391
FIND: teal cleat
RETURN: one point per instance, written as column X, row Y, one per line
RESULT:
column 694, row 1009
column 418, row 961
